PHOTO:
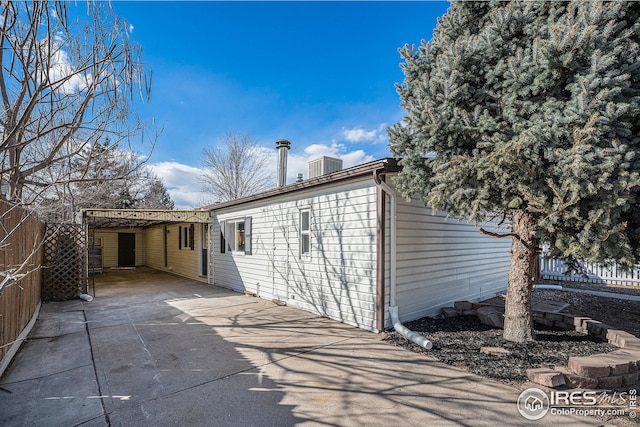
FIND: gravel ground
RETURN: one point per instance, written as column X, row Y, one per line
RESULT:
column 457, row 341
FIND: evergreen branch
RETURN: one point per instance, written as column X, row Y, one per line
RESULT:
column 500, row 235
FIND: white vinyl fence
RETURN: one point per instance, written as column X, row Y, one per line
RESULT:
column 553, row 269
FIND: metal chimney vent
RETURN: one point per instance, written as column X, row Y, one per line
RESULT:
column 283, row 147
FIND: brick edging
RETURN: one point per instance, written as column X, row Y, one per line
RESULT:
column 619, row 368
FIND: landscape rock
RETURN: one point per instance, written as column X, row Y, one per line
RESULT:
column 630, row 379
column 577, row 381
column 462, row 305
column 546, row 377
column 589, row 367
column 610, row 382
column 495, row 351
column 490, row 316
column 448, row 312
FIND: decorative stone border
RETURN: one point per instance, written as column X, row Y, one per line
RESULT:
column 619, row 368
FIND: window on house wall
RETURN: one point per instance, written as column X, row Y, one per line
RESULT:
column 305, row 233
column 223, row 240
column 187, row 237
column 235, row 235
column 238, row 235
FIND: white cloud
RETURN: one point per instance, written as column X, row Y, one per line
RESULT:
column 356, row 157
column 182, row 182
column 363, row 135
column 319, row 150
column 61, row 75
column 184, row 186
column 298, row 162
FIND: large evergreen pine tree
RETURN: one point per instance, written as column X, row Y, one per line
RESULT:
column 531, row 112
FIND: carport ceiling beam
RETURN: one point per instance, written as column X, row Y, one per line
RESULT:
column 141, row 218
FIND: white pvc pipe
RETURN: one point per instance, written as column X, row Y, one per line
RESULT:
column 554, row 287
column 85, row 297
column 393, row 308
column 406, row 332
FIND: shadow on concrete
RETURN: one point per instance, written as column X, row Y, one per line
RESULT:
column 156, row 350
column 152, row 363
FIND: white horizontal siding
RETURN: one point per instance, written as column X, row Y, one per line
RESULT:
column 441, row 260
column 337, row 280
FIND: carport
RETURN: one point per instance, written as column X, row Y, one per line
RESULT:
column 175, row 241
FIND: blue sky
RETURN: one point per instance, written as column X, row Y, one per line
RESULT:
column 320, row 74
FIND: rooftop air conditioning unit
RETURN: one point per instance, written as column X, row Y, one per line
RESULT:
column 323, row 166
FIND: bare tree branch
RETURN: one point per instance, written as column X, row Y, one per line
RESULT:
column 65, row 87
column 236, row 168
column 499, row 235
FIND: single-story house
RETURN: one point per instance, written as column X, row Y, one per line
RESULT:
column 341, row 244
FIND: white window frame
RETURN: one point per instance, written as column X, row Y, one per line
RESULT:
column 305, row 252
column 232, row 236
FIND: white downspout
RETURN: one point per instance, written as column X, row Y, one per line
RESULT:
column 393, row 308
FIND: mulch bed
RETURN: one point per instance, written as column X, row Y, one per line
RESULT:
column 457, row 341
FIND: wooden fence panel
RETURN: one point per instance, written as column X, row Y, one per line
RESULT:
column 21, row 237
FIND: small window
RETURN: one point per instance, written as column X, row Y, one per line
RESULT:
column 186, row 237
column 236, row 236
column 192, row 237
column 223, row 240
column 305, row 233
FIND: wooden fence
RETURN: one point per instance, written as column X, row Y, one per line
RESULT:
column 554, row 269
column 21, row 237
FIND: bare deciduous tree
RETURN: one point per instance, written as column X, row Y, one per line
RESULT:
column 154, row 195
column 65, row 85
column 102, row 177
column 236, row 168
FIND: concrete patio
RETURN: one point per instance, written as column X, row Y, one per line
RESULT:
column 153, row 349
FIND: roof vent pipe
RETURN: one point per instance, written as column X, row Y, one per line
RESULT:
column 283, row 146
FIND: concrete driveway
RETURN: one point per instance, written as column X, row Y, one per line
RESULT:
column 157, row 350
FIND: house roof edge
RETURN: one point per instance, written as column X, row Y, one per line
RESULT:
column 388, row 164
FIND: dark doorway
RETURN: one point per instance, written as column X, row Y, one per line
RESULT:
column 126, row 249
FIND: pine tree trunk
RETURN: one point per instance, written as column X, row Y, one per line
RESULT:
column 518, row 321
